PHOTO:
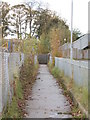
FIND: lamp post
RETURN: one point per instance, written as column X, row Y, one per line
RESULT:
column 71, row 54
column 64, row 40
column 0, row 26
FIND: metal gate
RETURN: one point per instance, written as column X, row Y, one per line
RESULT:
column 43, row 58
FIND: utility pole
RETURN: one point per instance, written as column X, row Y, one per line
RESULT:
column 0, row 26
column 71, row 54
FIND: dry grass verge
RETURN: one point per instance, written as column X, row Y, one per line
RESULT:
column 22, row 86
column 71, row 91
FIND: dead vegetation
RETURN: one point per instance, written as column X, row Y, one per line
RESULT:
column 28, row 75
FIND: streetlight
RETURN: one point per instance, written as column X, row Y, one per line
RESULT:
column 64, row 40
column 71, row 55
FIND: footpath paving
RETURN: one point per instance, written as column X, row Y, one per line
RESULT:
column 0, row 83
column 47, row 99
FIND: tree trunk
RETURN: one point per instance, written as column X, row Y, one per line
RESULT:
column 25, row 28
column 20, row 32
column 30, row 28
column 30, row 21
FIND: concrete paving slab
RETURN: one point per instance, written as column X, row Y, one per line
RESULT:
column 47, row 99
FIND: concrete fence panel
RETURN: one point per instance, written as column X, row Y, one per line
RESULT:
column 9, row 64
column 77, row 69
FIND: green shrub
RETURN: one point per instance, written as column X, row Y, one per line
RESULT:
column 50, row 65
column 13, row 110
column 56, row 72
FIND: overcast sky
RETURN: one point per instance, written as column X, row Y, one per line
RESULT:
column 63, row 8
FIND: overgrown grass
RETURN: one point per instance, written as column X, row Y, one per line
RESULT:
column 19, row 90
column 13, row 110
column 21, row 85
column 55, row 71
column 80, row 93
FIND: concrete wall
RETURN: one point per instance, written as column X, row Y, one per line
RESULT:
column 0, row 82
column 9, row 65
column 78, row 70
column 35, row 59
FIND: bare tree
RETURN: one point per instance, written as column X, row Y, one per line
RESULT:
column 17, row 19
column 4, row 9
column 31, row 12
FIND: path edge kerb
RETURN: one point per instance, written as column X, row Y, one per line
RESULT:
column 76, row 103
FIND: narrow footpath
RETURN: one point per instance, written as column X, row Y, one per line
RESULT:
column 47, row 99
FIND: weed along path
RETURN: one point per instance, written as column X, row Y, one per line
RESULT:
column 47, row 99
